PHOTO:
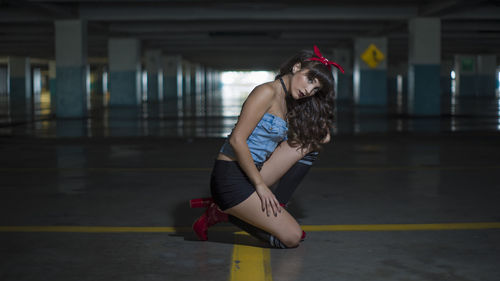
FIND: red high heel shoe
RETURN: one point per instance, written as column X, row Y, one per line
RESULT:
column 211, row 216
column 201, row 225
column 200, row 202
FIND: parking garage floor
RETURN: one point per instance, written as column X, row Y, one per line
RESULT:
column 391, row 198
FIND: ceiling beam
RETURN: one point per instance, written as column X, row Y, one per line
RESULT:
column 148, row 12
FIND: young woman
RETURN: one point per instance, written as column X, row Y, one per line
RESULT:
column 279, row 131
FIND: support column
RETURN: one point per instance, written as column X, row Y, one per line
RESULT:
column 446, row 68
column 37, row 86
column 124, row 71
column 71, row 71
column 209, row 91
column 172, row 84
column 186, row 94
column 217, row 92
column 392, row 86
column 4, row 90
column 200, row 90
column 424, row 66
column 193, row 92
column 96, row 85
column 52, row 85
column 370, row 71
column 486, row 75
column 465, row 73
column 19, row 85
column 397, row 95
column 343, row 85
column 155, row 76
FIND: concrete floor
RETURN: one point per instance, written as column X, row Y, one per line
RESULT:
column 127, row 171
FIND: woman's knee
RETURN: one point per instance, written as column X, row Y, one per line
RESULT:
column 291, row 238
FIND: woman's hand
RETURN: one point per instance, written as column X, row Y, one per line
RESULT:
column 268, row 200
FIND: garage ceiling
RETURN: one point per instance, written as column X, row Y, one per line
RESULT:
column 244, row 34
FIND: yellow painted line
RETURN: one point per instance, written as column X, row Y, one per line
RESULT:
column 403, row 227
column 309, row 228
column 317, row 169
column 250, row 263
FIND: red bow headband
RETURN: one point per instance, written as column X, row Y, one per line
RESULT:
column 324, row 60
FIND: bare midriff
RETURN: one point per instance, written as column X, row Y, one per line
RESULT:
column 224, row 157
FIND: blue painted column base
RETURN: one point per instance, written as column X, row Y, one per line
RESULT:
column 486, row 85
column 343, row 87
column 153, row 88
column 392, row 90
column 446, row 85
column 372, row 88
column 71, row 92
column 19, row 98
column 404, row 95
column 170, row 87
column 425, row 90
column 123, row 88
column 467, row 85
column 53, row 96
column 170, row 96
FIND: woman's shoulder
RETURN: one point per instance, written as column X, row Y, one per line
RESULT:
column 266, row 89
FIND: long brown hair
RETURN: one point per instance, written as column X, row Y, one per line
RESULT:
column 310, row 119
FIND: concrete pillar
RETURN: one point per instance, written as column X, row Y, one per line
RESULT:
column 402, row 89
column 172, row 81
column 193, row 89
column 186, row 95
column 19, row 85
column 200, row 94
column 465, row 73
column 105, row 85
column 155, row 75
column 124, row 80
column 424, row 73
column 37, row 85
column 446, row 69
column 392, row 85
column 486, row 75
column 52, row 85
column 71, row 68
column 209, row 102
column 172, row 84
column 397, row 95
column 370, row 71
column 343, row 85
column 97, row 93
column 4, row 84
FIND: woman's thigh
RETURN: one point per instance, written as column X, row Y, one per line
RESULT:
column 283, row 226
column 282, row 159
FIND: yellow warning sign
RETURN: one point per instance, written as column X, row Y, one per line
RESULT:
column 372, row 56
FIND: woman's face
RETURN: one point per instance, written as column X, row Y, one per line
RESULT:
column 301, row 86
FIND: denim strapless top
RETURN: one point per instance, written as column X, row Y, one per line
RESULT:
column 270, row 131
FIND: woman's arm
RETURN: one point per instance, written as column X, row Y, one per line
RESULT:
column 256, row 105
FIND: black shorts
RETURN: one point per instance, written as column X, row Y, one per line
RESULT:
column 229, row 184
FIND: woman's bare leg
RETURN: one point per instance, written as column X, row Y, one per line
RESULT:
column 282, row 159
column 284, row 227
column 283, row 164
